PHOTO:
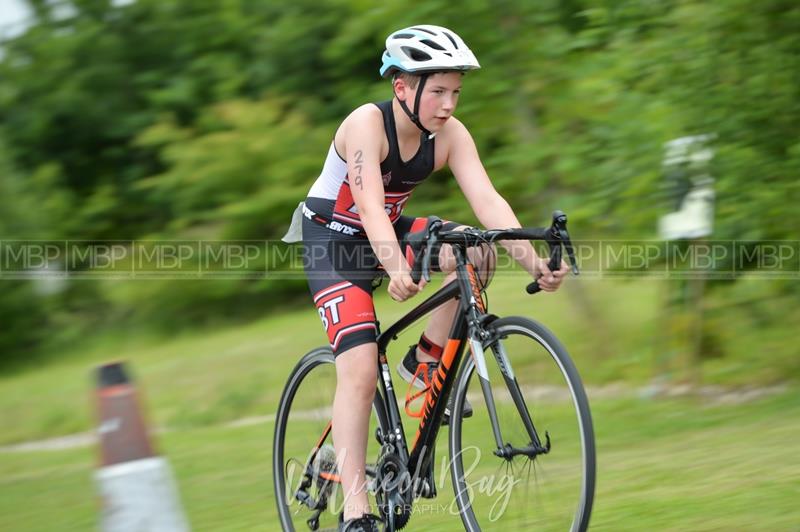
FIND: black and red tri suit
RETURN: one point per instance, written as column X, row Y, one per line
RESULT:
column 339, row 261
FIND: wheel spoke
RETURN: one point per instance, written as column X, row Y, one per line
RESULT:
column 544, row 484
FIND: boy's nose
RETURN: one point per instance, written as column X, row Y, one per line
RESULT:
column 447, row 104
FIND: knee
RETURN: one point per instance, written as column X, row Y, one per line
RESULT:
column 357, row 372
column 364, row 384
column 485, row 259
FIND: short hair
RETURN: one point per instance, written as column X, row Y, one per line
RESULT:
column 413, row 79
column 410, row 79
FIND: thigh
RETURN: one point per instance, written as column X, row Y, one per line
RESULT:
column 407, row 225
column 341, row 287
column 483, row 258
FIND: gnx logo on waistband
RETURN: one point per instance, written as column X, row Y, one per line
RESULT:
column 341, row 228
column 332, row 225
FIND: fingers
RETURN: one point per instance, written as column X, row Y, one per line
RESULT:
column 549, row 281
column 395, row 292
column 403, row 287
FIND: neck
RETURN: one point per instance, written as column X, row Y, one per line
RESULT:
column 406, row 129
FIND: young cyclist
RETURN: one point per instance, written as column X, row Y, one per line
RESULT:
column 352, row 225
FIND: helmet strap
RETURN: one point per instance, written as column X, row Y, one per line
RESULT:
column 414, row 117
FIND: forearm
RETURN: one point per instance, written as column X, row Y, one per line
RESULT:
column 497, row 214
column 383, row 240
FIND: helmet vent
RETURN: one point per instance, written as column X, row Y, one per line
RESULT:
column 426, row 31
column 416, row 55
column 451, row 39
column 432, row 44
column 403, row 36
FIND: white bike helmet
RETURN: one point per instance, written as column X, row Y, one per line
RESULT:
column 426, row 48
column 423, row 50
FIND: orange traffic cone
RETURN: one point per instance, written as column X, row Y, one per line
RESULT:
column 136, row 485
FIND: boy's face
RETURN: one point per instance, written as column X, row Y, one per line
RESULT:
column 439, row 99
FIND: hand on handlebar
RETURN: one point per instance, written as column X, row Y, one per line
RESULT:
column 548, row 278
column 549, row 281
column 402, row 287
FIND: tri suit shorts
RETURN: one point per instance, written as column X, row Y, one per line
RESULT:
column 341, row 269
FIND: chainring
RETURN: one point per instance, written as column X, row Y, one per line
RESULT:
column 393, row 488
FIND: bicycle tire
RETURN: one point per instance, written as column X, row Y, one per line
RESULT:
column 317, row 358
column 521, row 335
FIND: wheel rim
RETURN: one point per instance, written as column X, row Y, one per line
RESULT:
column 553, row 491
column 309, row 399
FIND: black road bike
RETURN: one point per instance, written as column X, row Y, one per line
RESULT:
column 524, row 459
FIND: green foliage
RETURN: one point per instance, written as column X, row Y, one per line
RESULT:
column 179, row 119
column 241, row 168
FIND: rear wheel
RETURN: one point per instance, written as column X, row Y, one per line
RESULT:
column 307, row 489
column 547, row 484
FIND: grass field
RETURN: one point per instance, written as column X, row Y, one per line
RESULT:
column 664, row 463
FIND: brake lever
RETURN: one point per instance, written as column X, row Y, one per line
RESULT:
column 426, row 260
column 570, row 251
column 557, row 236
column 421, row 268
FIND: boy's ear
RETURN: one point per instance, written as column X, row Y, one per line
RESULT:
column 401, row 89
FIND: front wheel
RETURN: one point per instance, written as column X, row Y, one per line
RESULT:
column 543, row 475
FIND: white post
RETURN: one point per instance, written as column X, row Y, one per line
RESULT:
column 136, row 485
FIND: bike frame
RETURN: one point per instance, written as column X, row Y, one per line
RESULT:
column 466, row 329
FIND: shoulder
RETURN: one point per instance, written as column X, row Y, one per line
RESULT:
column 367, row 115
column 453, row 137
column 454, row 132
column 364, row 121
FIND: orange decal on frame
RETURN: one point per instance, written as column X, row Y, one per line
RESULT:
column 473, row 282
column 448, row 355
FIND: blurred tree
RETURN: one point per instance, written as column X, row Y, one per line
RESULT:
column 170, row 118
column 244, row 166
column 22, row 314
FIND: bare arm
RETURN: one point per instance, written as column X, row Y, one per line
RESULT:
column 491, row 209
column 363, row 134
